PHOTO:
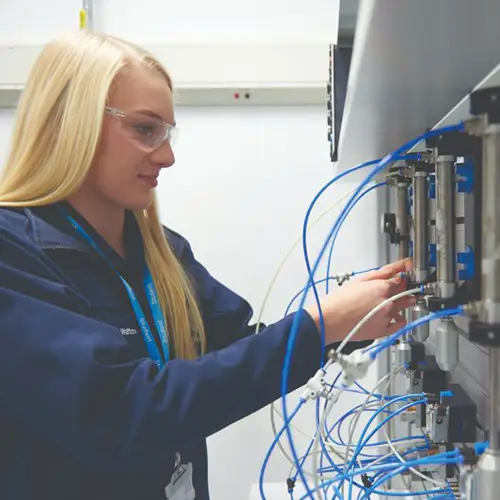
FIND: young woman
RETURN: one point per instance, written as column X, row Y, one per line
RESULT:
column 119, row 352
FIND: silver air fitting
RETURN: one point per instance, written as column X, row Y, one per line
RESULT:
column 403, row 354
column 420, row 237
column 446, row 340
column 419, row 310
column 486, row 482
column 445, row 227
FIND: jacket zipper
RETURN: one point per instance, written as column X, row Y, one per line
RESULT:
column 71, row 249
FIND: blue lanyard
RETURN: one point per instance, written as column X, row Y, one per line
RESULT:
column 152, row 297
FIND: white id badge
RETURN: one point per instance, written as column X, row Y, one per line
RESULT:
column 181, row 484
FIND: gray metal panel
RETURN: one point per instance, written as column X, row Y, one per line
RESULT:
column 348, row 13
column 412, row 62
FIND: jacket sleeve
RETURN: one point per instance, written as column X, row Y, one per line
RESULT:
column 68, row 378
column 227, row 316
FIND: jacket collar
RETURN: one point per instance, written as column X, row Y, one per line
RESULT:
column 49, row 229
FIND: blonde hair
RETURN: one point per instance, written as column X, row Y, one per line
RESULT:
column 56, row 133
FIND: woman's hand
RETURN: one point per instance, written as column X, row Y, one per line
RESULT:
column 349, row 304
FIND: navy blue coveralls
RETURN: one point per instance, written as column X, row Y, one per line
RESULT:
column 84, row 412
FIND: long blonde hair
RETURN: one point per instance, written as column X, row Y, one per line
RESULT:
column 56, row 133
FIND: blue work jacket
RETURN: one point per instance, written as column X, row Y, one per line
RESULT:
column 84, row 412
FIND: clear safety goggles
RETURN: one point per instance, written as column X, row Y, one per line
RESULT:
column 148, row 132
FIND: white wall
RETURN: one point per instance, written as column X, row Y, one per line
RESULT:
column 239, row 190
column 152, row 21
column 243, row 178
column 6, row 116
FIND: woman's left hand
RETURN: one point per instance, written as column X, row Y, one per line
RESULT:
column 349, row 304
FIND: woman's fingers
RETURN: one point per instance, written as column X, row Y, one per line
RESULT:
column 389, row 271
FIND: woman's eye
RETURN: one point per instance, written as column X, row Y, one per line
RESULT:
column 145, row 129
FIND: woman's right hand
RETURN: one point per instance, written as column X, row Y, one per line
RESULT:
column 349, row 304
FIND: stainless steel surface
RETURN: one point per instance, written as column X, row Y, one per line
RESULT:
column 491, row 225
column 419, row 310
column 446, row 340
column 494, row 384
column 403, row 220
column 445, row 227
column 466, row 483
column 420, row 228
column 486, row 482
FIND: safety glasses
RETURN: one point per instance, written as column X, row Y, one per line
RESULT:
column 148, row 132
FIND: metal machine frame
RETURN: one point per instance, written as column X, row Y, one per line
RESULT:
column 446, row 216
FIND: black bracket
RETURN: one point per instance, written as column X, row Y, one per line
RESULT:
column 454, row 143
column 486, row 101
